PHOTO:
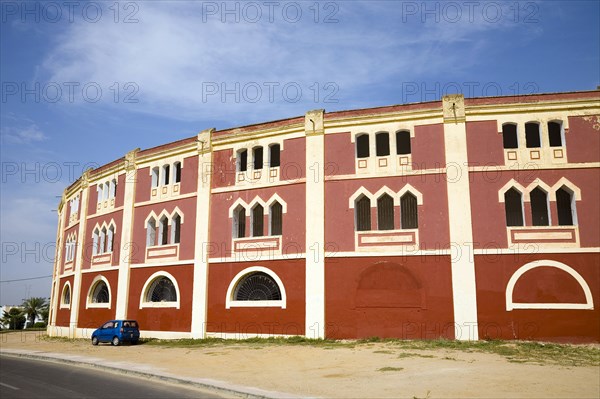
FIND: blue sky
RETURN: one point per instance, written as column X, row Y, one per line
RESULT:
column 85, row 82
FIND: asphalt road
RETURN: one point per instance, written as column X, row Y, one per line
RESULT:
column 25, row 378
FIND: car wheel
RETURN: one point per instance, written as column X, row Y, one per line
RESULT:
column 94, row 340
column 115, row 341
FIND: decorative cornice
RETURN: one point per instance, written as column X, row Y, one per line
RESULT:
column 313, row 122
column 130, row 160
column 204, row 141
column 454, row 108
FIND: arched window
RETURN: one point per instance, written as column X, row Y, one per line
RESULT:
column 102, row 248
column 239, row 222
column 100, row 293
column 162, row 289
column 555, row 134
column 385, row 212
column 257, row 155
column 66, row 296
column 151, row 233
column 175, row 229
column 257, row 286
column 113, row 188
column 177, row 172
column 155, row 177
column 166, row 169
column 509, row 136
column 539, row 207
column 163, row 230
column 95, row 241
column 565, row 206
column 110, row 239
column 513, row 206
column 382, row 144
column 274, row 155
column 242, row 160
column 276, row 216
column 362, row 146
column 362, row 211
column 403, row 142
column 106, row 190
column 532, row 135
column 257, row 221
column 409, row 218
column 100, row 190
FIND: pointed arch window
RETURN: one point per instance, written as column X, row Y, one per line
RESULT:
column 539, row 207
column 239, row 222
column 409, row 218
column 95, row 241
column 513, row 207
column 110, row 239
column 362, row 213
column 151, row 232
column 382, row 144
column 176, row 229
column 163, row 231
column 362, row 146
column 102, row 248
column 385, row 212
column 258, row 221
column 276, row 216
column 565, row 207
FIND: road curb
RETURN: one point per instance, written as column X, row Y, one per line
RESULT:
column 213, row 385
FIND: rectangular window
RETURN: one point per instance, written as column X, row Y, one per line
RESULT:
column 403, row 143
column 382, row 144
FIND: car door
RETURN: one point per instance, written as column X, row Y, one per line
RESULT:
column 107, row 331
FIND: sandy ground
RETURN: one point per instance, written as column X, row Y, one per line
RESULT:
column 344, row 372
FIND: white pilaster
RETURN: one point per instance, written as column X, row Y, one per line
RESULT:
column 75, row 294
column 315, row 224
column 55, row 291
column 200, row 284
column 126, row 235
column 459, row 218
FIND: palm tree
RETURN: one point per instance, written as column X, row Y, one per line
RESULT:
column 14, row 319
column 33, row 307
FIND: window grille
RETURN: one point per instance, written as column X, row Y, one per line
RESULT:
column 257, row 286
column 100, row 293
column 162, row 290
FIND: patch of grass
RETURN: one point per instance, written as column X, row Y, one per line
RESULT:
column 385, row 352
column 391, row 369
column 413, row 354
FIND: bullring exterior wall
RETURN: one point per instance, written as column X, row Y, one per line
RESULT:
column 461, row 218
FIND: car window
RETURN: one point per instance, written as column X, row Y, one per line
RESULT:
column 133, row 324
column 108, row 324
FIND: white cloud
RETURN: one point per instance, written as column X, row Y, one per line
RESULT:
column 25, row 135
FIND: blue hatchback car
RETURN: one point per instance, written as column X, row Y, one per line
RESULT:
column 117, row 331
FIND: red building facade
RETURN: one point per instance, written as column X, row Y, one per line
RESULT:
column 460, row 218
